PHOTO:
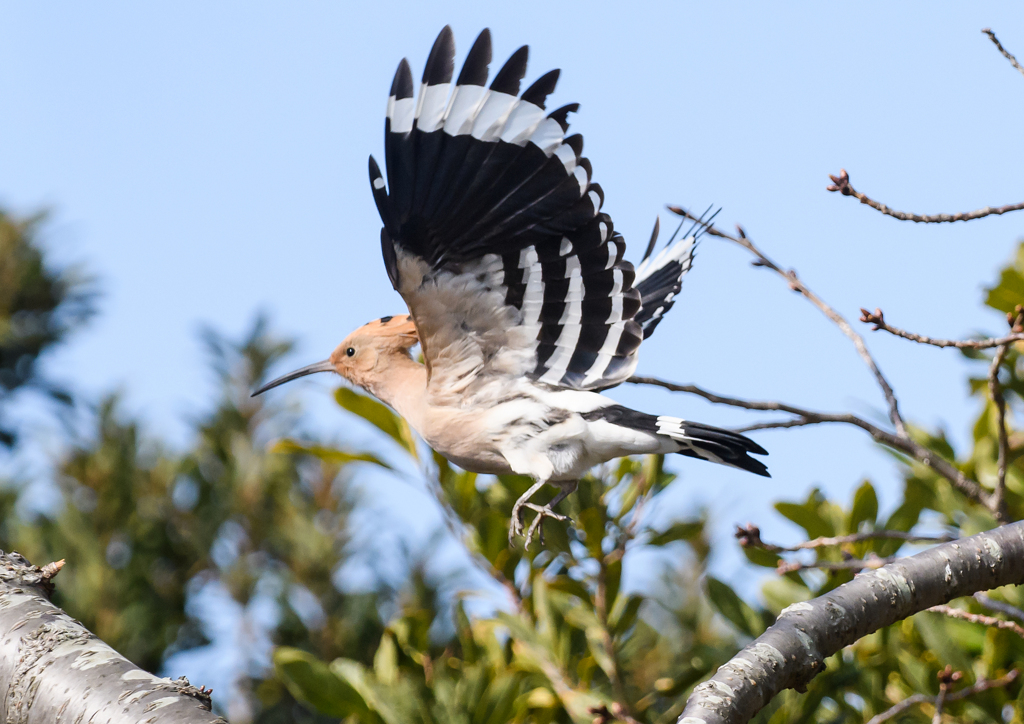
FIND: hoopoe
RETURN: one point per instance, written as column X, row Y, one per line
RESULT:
column 518, row 293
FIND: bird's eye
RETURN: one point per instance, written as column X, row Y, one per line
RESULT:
column 351, row 352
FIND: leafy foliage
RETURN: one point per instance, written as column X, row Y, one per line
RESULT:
column 571, row 632
column 144, row 531
column 39, row 306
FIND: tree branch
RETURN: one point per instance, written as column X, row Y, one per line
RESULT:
column 750, row 536
column 878, row 319
column 853, row 564
column 835, row 317
column 980, row 686
column 1004, row 51
column 904, row 444
column 841, row 183
column 1000, row 606
column 996, row 390
column 979, row 618
column 53, row 669
column 793, row 650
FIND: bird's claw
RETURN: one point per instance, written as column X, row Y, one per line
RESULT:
column 543, row 511
column 515, row 527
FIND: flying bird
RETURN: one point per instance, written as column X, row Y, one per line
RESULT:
column 516, row 287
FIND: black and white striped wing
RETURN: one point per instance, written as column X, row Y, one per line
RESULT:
column 493, row 231
column 659, row 278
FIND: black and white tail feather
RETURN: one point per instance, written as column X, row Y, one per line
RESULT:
column 493, row 234
column 692, row 439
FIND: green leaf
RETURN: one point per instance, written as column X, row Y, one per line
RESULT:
column 356, row 676
column 623, row 616
column 612, row 578
column 327, row 454
column 1009, row 292
column 385, row 661
column 593, row 522
column 379, row 415
column 727, row 603
column 808, row 516
column 311, row 681
column 865, row 507
column 685, row 530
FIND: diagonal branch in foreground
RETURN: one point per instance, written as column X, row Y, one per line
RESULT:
column 835, row 317
column 902, row 443
column 793, row 650
column 841, row 183
column 53, row 669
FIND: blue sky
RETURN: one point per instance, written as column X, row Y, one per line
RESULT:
column 206, row 161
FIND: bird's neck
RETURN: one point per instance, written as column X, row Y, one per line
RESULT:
column 401, row 382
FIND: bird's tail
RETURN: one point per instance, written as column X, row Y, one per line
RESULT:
column 714, row 444
column 688, row 438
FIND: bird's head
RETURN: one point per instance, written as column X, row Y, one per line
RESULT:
column 362, row 355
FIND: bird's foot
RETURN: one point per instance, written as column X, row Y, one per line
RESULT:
column 543, row 511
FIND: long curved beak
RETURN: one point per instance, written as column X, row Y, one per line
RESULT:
column 324, row 366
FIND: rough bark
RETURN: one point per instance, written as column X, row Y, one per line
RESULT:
column 52, row 669
column 793, row 650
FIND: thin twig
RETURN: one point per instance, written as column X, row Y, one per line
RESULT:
column 979, row 618
column 1000, row 606
column 776, row 425
column 878, row 319
column 841, row 183
column 996, row 390
column 977, row 688
column 835, row 317
column 1004, row 51
column 750, row 536
column 853, row 564
column 904, row 444
column 946, row 677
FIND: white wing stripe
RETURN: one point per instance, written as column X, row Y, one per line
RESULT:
column 464, row 106
column 431, row 106
column 547, row 136
column 400, row 112
column 492, row 115
column 521, row 123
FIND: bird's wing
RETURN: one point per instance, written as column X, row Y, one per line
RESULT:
column 659, row 277
column 493, row 232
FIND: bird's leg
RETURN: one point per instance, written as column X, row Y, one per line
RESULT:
column 515, row 526
column 548, row 511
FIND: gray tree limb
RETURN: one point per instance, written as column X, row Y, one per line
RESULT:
column 793, row 650
column 53, row 670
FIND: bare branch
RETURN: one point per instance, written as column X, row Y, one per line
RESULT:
column 904, row 444
column 996, row 390
column 1004, row 51
column 977, row 688
column 1000, row 606
column 841, row 183
column 872, row 562
column 776, row 425
column 979, row 618
column 835, row 317
column 878, row 320
column 794, row 649
column 750, row 536
column 947, row 677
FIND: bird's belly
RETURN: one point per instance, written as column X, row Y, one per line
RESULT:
column 486, row 464
column 471, row 450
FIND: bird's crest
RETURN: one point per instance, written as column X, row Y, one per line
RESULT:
column 400, row 325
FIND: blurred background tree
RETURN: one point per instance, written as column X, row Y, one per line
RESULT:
column 252, row 522
column 39, row 306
